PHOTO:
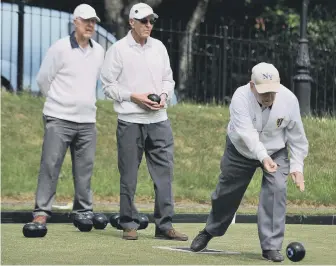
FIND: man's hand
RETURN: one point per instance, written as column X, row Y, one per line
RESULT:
column 163, row 97
column 269, row 165
column 298, row 180
column 143, row 101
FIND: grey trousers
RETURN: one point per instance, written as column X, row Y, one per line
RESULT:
column 236, row 174
column 156, row 140
column 58, row 136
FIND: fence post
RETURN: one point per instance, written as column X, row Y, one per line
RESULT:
column 302, row 80
column 20, row 46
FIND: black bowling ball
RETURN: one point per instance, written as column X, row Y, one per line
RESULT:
column 34, row 230
column 99, row 221
column 83, row 223
column 295, row 251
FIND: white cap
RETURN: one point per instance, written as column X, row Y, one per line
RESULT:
column 265, row 78
column 85, row 11
column 141, row 10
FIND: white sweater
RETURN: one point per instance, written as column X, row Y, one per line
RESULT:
column 130, row 67
column 284, row 125
column 68, row 78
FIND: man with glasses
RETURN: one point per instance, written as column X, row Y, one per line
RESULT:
column 134, row 67
column 264, row 121
column 68, row 76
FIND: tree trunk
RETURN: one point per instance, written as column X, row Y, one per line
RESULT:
column 113, row 14
column 186, row 61
column 117, row 12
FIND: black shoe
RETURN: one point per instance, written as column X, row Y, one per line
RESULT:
column 201, row 241
column 272, row 255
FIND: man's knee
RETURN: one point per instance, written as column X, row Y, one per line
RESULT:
column 279, row 186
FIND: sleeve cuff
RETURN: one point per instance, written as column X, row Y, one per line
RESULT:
column 125, row 95
column 262, row 155
column 295, row 167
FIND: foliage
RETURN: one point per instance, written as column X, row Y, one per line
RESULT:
column 282, row 21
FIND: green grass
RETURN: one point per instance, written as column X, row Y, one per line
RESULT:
column 64, row 244
column 199, row 133
column 179, row 208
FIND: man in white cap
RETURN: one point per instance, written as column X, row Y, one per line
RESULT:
column 68, row 76
column 265, row 120
column 134, row 67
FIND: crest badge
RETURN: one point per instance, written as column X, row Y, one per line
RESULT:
column 279, row 122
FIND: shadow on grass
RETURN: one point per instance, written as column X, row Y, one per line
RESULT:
column 245, row 256
column 251, row 256
column 107, row 232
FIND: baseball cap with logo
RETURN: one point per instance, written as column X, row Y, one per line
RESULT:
column 141, row 10
column 85, row 11
column 265, row 78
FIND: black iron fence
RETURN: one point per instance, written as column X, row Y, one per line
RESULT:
column 220, row 62
column 217, row 59
column 26, row 34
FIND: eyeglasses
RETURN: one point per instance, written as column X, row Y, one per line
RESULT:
column 145, row 21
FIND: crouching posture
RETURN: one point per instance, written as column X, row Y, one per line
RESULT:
column 265, row 123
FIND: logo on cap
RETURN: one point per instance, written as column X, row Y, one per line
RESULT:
column 267, row 76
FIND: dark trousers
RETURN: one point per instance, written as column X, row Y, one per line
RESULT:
column 156, row 140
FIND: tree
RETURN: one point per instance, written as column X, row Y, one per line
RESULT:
column 186, row 61
column 321, row 32
column 321, row 26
